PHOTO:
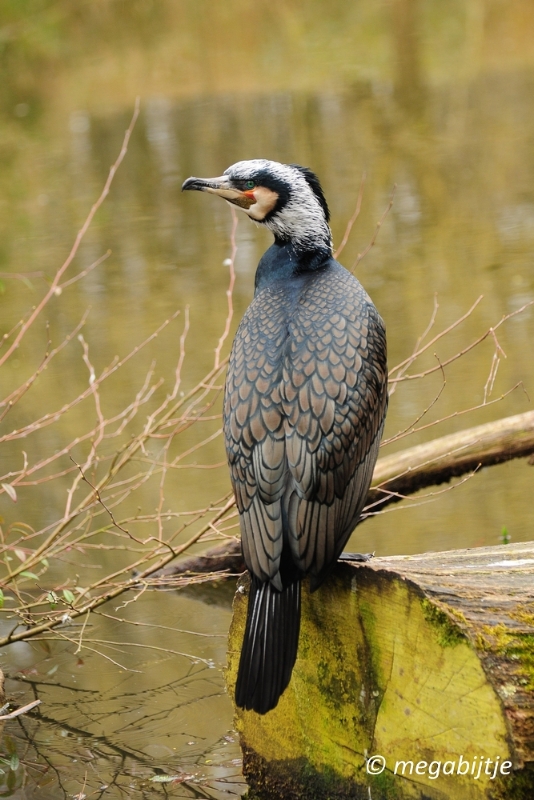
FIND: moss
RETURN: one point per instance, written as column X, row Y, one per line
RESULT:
column 522, row 615
column 523, row 651
column 337, row 687
column 519, row 647
column 372, row 639
column 296, row 779
column 518, row 786
column 448, row 633
column 458, row 615
column 386, row 787
column 497, row 637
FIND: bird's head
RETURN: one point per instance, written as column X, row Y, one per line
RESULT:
column 286, row 198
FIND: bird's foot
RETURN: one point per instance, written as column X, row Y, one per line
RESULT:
column 361, row 557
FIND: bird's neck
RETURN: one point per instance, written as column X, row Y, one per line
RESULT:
column 283, row 261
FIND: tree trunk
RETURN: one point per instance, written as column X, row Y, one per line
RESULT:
column 425, row 660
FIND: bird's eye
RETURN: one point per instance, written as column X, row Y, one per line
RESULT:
column 250, row 185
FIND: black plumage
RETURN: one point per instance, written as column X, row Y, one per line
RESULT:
column 304, row 409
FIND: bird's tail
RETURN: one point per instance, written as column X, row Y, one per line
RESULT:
column 270, row 645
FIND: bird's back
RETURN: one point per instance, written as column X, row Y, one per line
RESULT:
column 304, row 409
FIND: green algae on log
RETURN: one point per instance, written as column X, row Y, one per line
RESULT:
column 420, row 659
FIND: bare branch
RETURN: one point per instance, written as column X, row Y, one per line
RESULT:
column 230, row 290
column 352, row 220
column 377, row 229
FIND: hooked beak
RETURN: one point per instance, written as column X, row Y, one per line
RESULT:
column 220, row 186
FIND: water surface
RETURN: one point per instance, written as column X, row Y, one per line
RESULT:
column 437, row 101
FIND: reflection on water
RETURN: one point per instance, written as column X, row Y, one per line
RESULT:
column 128, row 710
column 435, row 98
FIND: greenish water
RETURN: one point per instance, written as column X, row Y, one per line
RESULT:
column 437, row 99
column 152, row 705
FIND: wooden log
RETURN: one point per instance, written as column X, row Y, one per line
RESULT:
column 451, row 456
column 426, row 660
column 225, row 557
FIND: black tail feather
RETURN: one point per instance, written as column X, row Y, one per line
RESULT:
column 270, row 645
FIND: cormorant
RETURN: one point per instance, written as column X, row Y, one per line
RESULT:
column 304, row 410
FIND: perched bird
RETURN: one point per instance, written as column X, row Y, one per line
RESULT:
column 304, row 410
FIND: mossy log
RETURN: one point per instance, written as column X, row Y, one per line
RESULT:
column 420, row 659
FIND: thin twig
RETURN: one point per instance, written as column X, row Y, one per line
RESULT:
column 352, row 220
column 104, row 506
column 460, row 353
column 230, row 290
column 417, row 348
column 400, row 368
column 22, row 710
column 377, row 229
